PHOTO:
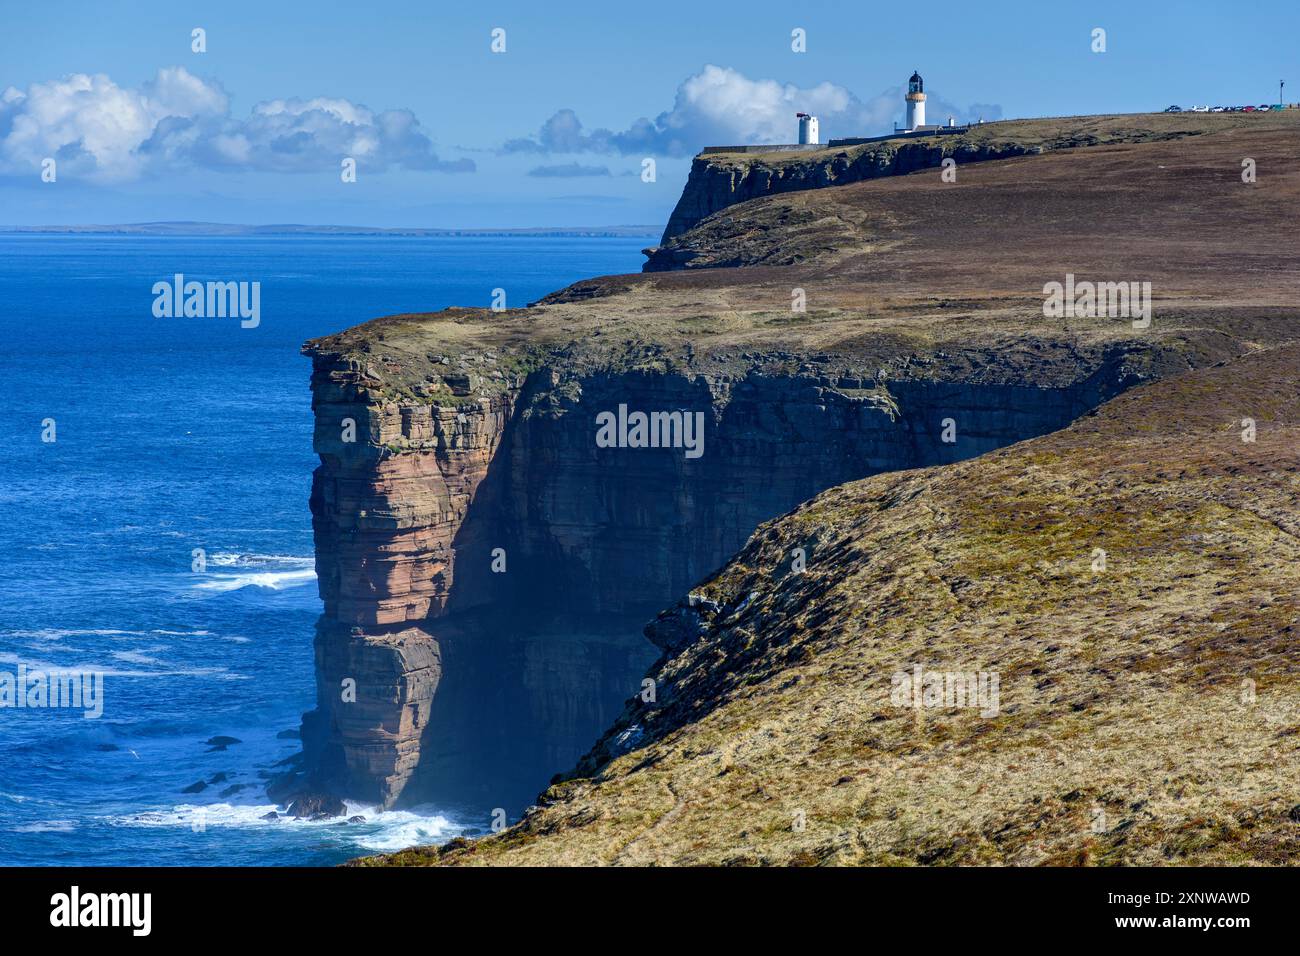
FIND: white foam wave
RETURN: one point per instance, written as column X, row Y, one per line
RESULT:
column 272, row 571
column 46, row 826
column 110, row 671
column 383, row 830
column 389, row 835
column 58, row 633
column 135, row 657
column 237, row 559
column 273, row 580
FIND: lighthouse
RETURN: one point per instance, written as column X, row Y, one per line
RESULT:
column 915, row 101
column 807, row 129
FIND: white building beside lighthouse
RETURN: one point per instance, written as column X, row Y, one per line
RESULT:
column 915, row 102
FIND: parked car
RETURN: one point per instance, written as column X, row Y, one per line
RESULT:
column 1174, row 109
column 1200, row 109
column 1249, row 109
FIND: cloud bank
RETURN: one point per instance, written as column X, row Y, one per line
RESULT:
column 719, row 107
column 94, row 127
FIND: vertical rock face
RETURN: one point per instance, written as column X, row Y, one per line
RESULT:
column 440, row 677
column 623, row 527
column 393, row 488
column 374, row 694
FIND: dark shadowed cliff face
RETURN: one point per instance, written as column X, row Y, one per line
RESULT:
column 487, row 566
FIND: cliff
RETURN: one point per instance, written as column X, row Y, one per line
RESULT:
column 718, row 180
column 593, row 541
column 486, row 564
column 1146, row 705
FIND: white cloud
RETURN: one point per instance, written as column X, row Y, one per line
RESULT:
column 721, row 107
column 107, row 132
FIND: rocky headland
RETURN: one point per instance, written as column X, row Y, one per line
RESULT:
column 721, row 178
column 486, row 566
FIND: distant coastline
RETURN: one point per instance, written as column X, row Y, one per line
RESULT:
column 295, row 229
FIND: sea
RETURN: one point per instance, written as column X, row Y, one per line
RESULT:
column 154, row 530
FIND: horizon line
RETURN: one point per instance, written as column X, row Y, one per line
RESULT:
column 203, row 227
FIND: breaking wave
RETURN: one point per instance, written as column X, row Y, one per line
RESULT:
column 274, row 572
column 382, row 831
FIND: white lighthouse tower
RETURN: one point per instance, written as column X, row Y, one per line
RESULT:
column 807, row 128
column 915, row 101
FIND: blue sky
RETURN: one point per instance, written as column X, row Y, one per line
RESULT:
column 554, row 130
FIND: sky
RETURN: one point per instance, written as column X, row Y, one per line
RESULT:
column 554, row 127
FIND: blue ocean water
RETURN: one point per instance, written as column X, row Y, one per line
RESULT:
column 170, row 435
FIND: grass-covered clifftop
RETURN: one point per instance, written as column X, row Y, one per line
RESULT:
column 721, row 179
column 915, row 277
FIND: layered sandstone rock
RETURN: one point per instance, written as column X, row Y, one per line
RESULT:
column 393, row 488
